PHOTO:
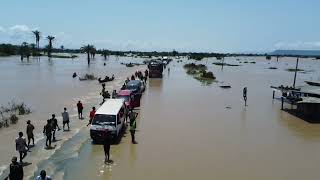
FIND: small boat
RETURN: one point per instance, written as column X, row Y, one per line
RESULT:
column 225, row 86
column 313, row 83
column 107, row 79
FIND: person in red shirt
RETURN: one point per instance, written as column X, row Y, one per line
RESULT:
column 92, row 113
column 80, row 109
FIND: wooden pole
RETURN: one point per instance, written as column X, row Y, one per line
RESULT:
column 295, row 74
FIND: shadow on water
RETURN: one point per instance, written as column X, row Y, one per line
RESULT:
column 309, row 119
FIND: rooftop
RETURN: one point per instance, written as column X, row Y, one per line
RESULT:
column 111, row 106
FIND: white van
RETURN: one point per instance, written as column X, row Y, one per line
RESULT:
column 109, row 117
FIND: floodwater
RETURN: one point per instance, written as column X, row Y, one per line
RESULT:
column 187, row 130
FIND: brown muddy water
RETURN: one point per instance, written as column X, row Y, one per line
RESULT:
column 186, row 131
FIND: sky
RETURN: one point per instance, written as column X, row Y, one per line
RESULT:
column 232, row 26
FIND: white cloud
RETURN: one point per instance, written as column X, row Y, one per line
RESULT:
column 20, row 28
column 298, row 45
column 2, row 29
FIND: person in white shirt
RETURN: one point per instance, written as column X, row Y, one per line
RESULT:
column 65, row 118
column 43, row 176
column 21, row 146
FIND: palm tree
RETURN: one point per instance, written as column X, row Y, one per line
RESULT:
column 37, row 35
column 50, row 38
column 88, row 49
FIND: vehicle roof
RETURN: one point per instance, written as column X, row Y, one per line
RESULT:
column 134, row 82
column 111, row 107
column 126, row 92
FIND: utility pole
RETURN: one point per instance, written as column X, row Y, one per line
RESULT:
column 295, row 74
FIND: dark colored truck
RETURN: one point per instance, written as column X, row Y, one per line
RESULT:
column 155, row 69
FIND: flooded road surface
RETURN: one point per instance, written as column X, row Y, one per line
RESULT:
column 47, row 86
column 190, row 131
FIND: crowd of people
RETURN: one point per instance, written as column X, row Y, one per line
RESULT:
column 49, row 131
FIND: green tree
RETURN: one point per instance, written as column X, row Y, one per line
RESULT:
column 33, row 48
column 24, row 50
column 105, row 53
column 50, row 39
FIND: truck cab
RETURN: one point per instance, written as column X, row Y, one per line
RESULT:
column 109, row 117
column 155, row 69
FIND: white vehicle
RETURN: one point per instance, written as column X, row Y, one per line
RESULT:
column 109, row 117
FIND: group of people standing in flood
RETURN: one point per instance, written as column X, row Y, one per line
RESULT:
column 52, row 126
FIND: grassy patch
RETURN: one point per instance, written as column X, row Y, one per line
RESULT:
column 200, row 73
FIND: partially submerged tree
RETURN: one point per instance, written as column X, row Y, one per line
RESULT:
column 105, row 53
column 24, row 50
column 37, row 37
column 50, row 38
column 88, row 49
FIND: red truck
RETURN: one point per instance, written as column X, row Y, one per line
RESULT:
column 131, row 99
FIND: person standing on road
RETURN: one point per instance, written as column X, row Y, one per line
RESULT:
column 91, row 115
column 30, row 134
column 80, row 109
column 21, row 146
column 47, row 130
column 54, row 124
column 65, row 118
column 133, row 125
column 16, row 170
column 245, row 96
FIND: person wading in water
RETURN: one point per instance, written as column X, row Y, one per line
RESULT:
column 30, row 135
column 106, row 146
column 21, row 146
column 16, row 170
column 80, row 109
column 43, row 176
column 245, row 96
column 54, row 124
column 133, row 125
column 65, row 118
column 47, row 130
column 91, row 116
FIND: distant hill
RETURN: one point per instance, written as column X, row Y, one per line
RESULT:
column 296, row 52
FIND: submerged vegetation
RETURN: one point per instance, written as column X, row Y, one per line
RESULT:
column 88, row 77
column 293, row 70
column 199, row 72
column 64, row 56
column 272, row 68
column 224, row 64
column 10, row 112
